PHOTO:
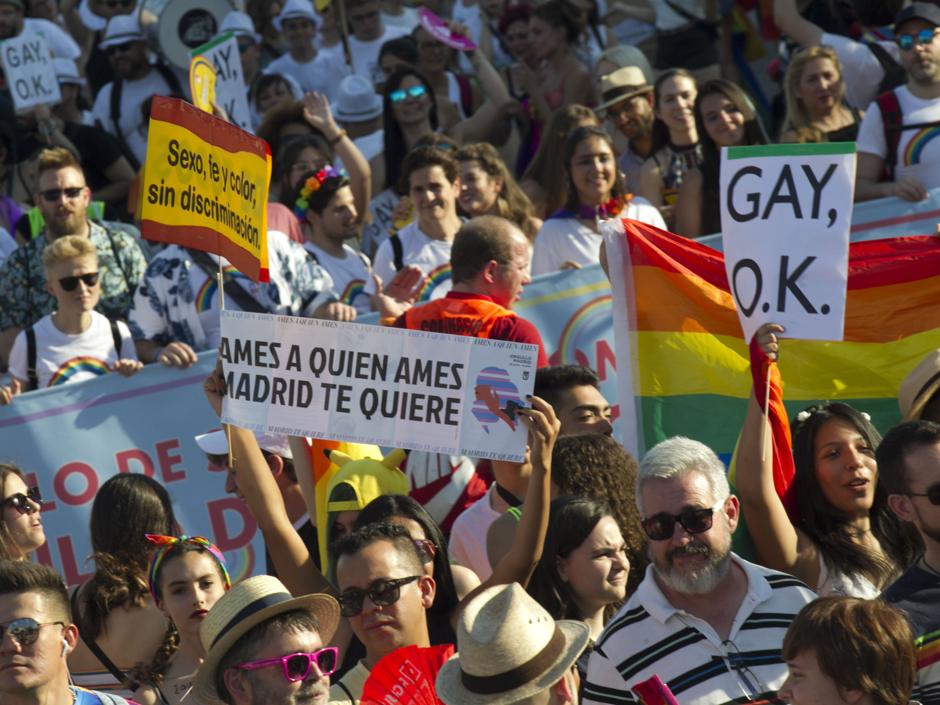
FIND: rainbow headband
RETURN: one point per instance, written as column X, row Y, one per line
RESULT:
column 165, row 543
column 312, row 185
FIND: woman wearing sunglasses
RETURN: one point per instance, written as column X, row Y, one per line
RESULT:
column 846, row 541
column 21, row 530
column 74, row 342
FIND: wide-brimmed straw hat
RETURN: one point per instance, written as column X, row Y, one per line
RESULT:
column 508, row 649
column 919, row 386
column 626, row 82
column 247, row 605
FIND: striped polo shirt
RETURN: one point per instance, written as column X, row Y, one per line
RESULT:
column 648, row 636
column 917, row 593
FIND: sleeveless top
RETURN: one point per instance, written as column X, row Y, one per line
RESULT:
column 674, row 163
column 835, row 582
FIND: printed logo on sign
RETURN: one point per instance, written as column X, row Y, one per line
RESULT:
column 497, row 398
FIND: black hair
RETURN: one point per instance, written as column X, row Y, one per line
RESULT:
column 423, row 157
column 901, row 440
column 404, row 48
column 551, row 382
column 571, row 145
column 660, row 134
column 17, row 576
column 394, row 139
column 395, row 534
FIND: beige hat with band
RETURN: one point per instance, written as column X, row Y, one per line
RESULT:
column 246, row 605
column 508, row 649
column 624, row 83
column 919, row 386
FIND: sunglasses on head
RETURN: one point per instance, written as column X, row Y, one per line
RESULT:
column 52, row 195
column 89, row 279
column 932, row 494
column 299, row 666
column 907, row 41
column 660, row 527
column 413, row 92
column 119, row 48
column 24, row 631
column 24, row 503
column 382, row 593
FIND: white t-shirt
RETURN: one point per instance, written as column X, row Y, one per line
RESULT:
column 60, row 42
column 320, row 75
column 467, row 544
column 918, row 151
column 349, row 274
column 431, row 256
column 62, row 358
column 861, row 71
column 372, row 144
column 366, row 54
column 131, row 121
column 561, row 240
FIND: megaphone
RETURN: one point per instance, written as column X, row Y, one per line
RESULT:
column 175, row 27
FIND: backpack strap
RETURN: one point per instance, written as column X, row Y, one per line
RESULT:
column 119, row 675
column 466, row 95
column 895, row 73
column 398, row 252
column 892, row 124
column 114, row 114
column 117, row 260
column 232, row 288
column 116, row 337
column 31, row 377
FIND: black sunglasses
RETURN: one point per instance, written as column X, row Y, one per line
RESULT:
column 661, row 527
column 54, row 194
column 382, row 593
column 932, row 494
column 114, row 4
column 119, row 48
column 89, row 279
column 24, row 503
column 24, row 631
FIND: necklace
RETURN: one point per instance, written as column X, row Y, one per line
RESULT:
column 608, row 209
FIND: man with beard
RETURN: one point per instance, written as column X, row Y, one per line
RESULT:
column 63, row 198
column 894, row 156
column 627, row 103
column 909, row 469
column 13, row 21
column 707, row 622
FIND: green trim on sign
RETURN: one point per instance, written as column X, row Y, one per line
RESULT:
column 212, row 43
column 791, row 150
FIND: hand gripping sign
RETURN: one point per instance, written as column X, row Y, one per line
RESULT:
column 206, row 186
column 786, row 212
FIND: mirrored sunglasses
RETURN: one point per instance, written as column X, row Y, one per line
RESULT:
column 413, row 92
column 24, row 631
column 907, row 41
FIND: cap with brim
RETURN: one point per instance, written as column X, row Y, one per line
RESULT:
column 121, row 30
column 624, row 83
column 245, row 606
column 240, row 25
column 489, row 681
column 216, row 443
column 295, row 10
column 356, row 100
column 919, row 387
column 926, row 11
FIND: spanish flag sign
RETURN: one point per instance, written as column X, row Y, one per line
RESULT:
column 206, row 186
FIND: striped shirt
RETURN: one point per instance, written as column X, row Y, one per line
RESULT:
column 917, row 593
column 648, row 636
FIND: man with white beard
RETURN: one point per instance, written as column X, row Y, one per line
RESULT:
column 707, row 622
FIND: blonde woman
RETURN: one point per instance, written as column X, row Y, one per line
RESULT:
column 815, row 95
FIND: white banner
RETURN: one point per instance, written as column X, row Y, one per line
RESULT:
column 372, row 384
column 786, row 212
column 30, row 75
column 231, row 94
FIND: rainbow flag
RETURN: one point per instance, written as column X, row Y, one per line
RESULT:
column 690, row 372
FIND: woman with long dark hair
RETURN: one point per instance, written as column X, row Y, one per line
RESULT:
column 724, row 117
column 846, row 540
column 21, row 530
column 571, row 236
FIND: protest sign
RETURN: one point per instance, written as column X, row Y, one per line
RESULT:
column 231, row 94
column 785, row 218
column 30, row 75
column 206, row 186
column 142, row 424
column 372, row 384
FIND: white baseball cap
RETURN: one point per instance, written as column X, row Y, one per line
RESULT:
column 215, row 443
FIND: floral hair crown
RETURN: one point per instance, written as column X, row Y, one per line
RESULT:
column 312, row 185
column 165, row 543
column 805, row 415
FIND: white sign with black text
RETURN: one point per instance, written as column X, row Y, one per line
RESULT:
column 231, row 94
column 30, row 75
column 786, row 213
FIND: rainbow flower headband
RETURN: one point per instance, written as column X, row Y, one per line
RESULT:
column 165, row 543
column 312, row 185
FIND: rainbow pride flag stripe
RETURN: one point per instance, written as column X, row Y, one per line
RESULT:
column 72, row 367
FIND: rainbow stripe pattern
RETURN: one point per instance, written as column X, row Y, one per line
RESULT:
column 915, row 147
column 693, row 378
column 84, row 366
column 502, row 386
column 353, row 289
column 436, row 277
column 207, row 296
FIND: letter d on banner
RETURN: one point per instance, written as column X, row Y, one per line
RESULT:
column 786, row 213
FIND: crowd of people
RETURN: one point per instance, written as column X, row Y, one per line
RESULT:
column 427, row 184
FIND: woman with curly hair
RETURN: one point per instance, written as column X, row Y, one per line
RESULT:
column 187, row 577
column 21, row 530
column 845, row 540
column 487, row 188
column 116, row 617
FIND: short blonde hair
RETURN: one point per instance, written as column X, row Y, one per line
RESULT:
column 66, row 248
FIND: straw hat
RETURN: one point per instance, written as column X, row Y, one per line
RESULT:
column 624, row 83
column 919, row 386
column 247, row 605
column 508, row 648
column 121, row 30
column 356, row 100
